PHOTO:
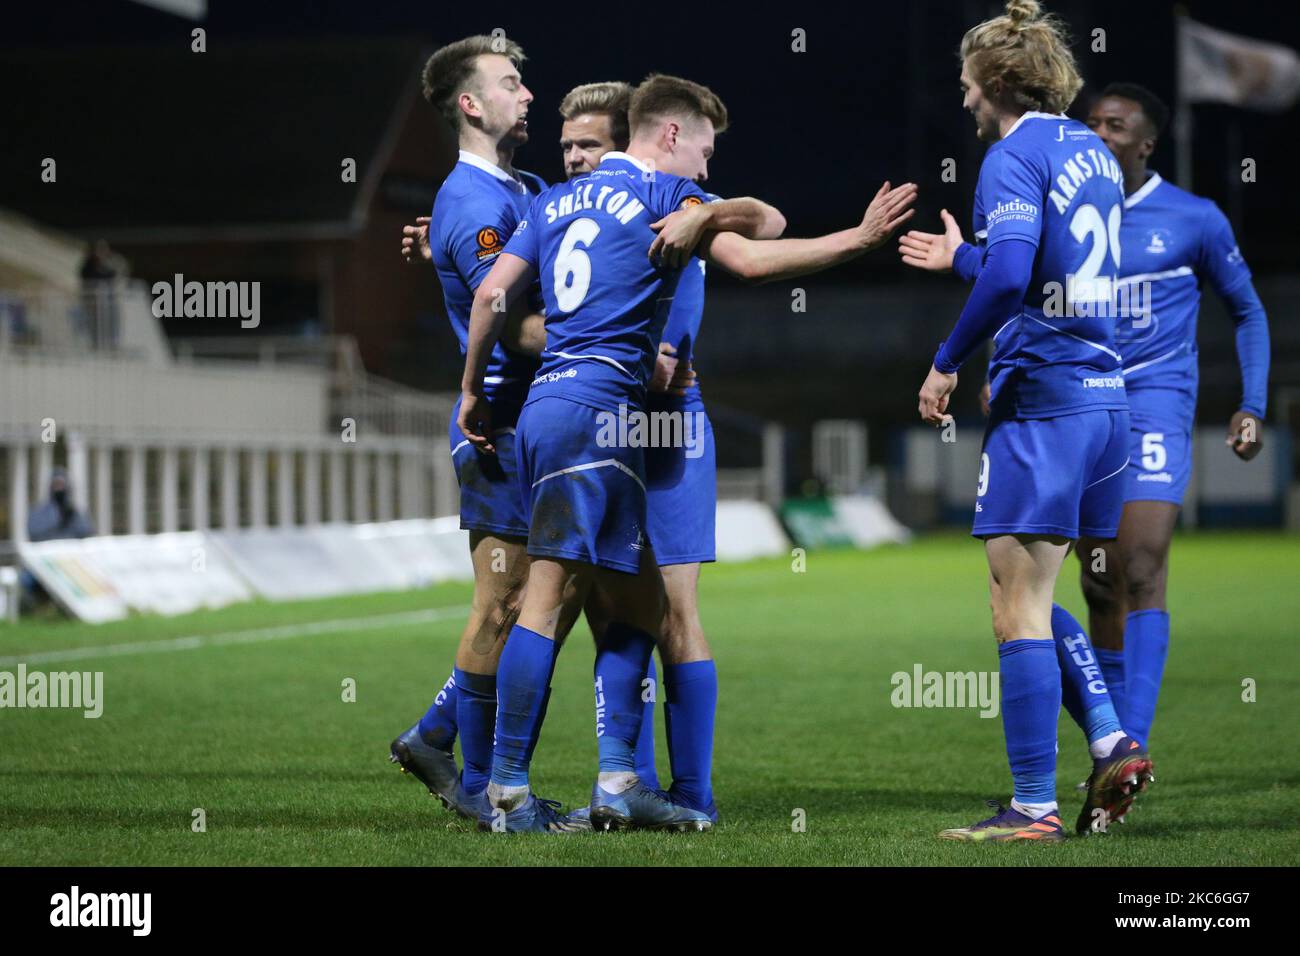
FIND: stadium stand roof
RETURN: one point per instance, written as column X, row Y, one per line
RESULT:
column 162, row 144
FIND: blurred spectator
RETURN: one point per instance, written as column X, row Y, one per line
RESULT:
column 56, row 517
column 99, row 272
column 13, row 319
column 102, row 263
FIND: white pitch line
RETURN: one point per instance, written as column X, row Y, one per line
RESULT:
column 255, row 635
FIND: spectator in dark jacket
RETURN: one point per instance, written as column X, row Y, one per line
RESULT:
column 56, row 517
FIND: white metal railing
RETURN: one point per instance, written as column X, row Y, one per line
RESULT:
column 111, row 321
column 840, row 454
column 329, row 351
column 107, row 317
column 375, row 403
column 161, row 483
column 97, row 393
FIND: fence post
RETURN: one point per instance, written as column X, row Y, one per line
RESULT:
column 171, row 479
column 104, row 489
column 383, row 485
column 338, row 486
column 773, row 464
column 360, row 485
column 257, row 488
column 284, row 502
column 135, row 521
column 311, row 486
column 199, row 488
column 18, row 502
column 44, row 468
column 230, row 488
column 78, row 471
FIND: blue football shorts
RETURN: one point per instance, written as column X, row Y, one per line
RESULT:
column 1053, row 476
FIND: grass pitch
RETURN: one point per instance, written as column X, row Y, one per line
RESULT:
column 244, row 718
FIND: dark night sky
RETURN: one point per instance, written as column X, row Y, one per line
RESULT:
column 874, row 97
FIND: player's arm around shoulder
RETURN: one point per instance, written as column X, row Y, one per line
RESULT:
column 415, row 241
column 748, row 217
column 525, row 330
column 680, row 232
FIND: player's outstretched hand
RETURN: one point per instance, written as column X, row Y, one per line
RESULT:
column 671, row 375
column 888, row 210
column 931, row 251
column 1245, row 435
column 415, row 239
column 934, row 397
column 475, row 421
column 678, row 235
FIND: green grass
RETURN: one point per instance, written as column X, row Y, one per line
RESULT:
column 258, row 736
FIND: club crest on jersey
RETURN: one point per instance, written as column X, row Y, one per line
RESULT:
column 489, row 242
column 1158, row 241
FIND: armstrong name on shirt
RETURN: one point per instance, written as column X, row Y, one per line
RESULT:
column 1078, row 170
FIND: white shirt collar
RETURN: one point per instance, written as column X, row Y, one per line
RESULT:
column 617, row 154
column 495, row 170
column 1034, row 114
column 1143, row 191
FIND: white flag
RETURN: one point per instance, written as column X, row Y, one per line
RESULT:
column 1220, row 67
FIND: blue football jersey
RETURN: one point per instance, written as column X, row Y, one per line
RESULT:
column 474, row 213
column 606, row 302
column 1053, row 183
column 687, row 311
column 1172, row 241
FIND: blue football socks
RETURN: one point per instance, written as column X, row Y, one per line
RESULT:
column 523, row 686
column 438, row 725
column 1146, row 643
column 1031, row 702
column 645, row 743
column 622, row 660
column 476, row 712
column 1083, row 689
column 691, row 703
column 1112, row 672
